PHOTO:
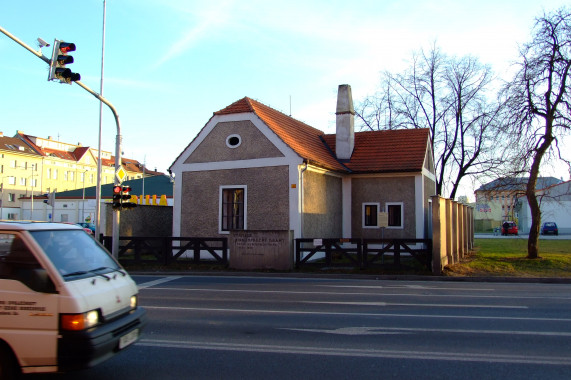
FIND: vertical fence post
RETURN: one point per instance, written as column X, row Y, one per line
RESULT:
column 196, row 250
column 397, row 253
column 438, row 227
column 225, row 250
column 328, row 258
column 167, row 250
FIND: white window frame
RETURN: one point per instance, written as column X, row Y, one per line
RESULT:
column 365, row 204
column 401, row 204
column 220, row 200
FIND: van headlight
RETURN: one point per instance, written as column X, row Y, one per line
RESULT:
column 134, row 302
column 77, row 322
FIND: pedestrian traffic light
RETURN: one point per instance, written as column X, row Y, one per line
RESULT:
column 126, row 198
column 117, row 199
column 60, row 58
column 125, row 193
column 50, row 198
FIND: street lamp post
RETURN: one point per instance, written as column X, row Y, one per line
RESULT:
column 83, row 198
column 32, row 190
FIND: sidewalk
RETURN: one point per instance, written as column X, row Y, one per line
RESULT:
column 490, row 235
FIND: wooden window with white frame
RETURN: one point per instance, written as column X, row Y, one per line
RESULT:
column 396, row 214
column 233, row 208
column 370, row 214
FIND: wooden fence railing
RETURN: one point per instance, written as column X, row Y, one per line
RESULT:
column 166, row 250
column 362, row 253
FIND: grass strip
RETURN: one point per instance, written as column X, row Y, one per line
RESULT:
column 508, row 257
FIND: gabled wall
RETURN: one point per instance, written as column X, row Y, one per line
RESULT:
column 262, row 163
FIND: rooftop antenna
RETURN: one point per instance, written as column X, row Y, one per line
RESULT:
column 290, row 105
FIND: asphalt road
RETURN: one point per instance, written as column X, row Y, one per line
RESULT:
column 240, row 327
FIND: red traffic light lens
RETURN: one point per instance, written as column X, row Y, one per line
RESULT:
column 116, row 189
column 66, row 47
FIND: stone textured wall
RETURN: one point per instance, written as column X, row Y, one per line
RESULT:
column 382, row 190
column 141, row 221
column 322, row 205
column 253, row 144
column 267, row 198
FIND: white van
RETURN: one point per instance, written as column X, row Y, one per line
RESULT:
column 65, row 303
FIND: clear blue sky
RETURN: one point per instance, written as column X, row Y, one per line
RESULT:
column 170, row 64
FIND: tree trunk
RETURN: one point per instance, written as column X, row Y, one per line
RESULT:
column 533, row 240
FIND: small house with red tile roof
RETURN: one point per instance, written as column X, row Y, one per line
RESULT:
column 252, row 167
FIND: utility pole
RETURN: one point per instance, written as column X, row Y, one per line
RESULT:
column 59, row 72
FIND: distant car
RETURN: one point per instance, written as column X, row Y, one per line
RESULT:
column 509, row 228
column 549, row 228
column 90, row 226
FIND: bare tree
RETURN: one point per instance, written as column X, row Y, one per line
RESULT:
column 539, row 104
column 449, row 96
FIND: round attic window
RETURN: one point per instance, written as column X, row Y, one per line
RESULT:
column 233, row 141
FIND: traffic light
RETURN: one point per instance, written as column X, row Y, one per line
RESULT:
column 60, row 58
column 51, row 198
column 117, row 197
column 126, row 198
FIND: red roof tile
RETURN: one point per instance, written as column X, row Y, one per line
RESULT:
column 400, row 150
column 375, row 151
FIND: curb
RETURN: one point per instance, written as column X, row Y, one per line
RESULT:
column 523, row 280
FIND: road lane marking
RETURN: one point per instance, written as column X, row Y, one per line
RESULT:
column 408, row 330
column 412, row 287
column 355, row 352
column 415, row 304
column 250, row 291
column 157, row 282
column 391, row 315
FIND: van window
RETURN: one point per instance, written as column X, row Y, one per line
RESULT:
column 17, row 262
column 75, row 254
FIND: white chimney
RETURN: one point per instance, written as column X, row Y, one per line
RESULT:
column 345, row 123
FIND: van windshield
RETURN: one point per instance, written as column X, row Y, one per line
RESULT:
column 75, row 254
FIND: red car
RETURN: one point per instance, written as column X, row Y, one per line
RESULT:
column 509, row 228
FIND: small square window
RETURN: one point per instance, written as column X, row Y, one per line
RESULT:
column 395, row 211
column 370, row 214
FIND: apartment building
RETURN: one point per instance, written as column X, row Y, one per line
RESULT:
column 31, row 166
column 500, row 200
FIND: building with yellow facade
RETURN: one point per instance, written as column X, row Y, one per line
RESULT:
column 32, row 166
column 500, row 200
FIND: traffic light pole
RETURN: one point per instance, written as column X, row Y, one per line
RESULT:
column 116, row 213
column 116, row 217
column 34, row 52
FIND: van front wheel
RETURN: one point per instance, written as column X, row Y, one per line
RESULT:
column 8, row 367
